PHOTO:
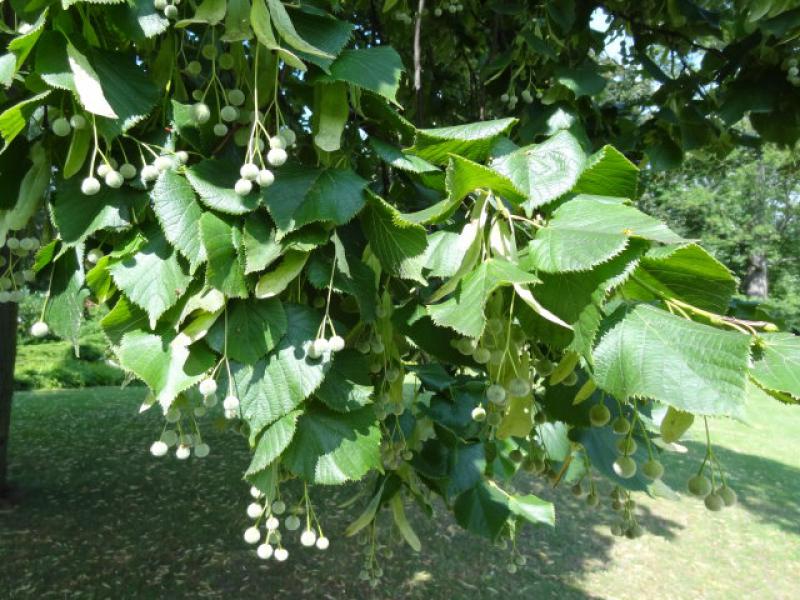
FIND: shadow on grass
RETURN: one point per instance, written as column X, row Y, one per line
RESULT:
column 767, row 489
column 101, row 518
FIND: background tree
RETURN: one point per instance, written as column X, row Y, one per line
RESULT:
column 428, row 310
column 746, row 209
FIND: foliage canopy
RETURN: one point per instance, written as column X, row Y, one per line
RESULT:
column 429, row 307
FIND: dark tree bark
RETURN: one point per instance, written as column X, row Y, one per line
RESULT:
column 756, row 283
column 8, row 355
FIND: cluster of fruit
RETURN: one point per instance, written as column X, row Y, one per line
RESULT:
column 230, row 404
column 115, row 175
column 168, row 7
column 450, row 7
column 272, row 541
column 322, row 345
column 716, row 497
column 394, row 453
column 510, row 98
column 792, row 71
column 61, row 126
column 625, row 466
column 181, row 429
column 14, row 270
column 229, row 113
column 628, row 525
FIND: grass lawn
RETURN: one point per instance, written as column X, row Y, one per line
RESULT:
column 100, row 518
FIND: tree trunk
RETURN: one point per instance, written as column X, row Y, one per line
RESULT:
column 8, row 352
column 755, row 282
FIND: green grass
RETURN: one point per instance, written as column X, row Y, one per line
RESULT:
column 53, row 365
column 99, row 518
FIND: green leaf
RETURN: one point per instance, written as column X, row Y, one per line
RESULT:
column 237, row 22
column 577, row 298
column 213, row 180
column 32, row 189
column 301, row 196
column 600, row 444
column 648, row 353
column 590, row 230
column 254, row 328
column 472, row 141
column 152, row 278
column 533, row 509
column 399, row 159
column 543, row 172
column 210, row 12
column 225, row 270
column 262, row 27
column 664, row 153
column 65, row 304
column 778, row 366
column 87, row 84
column 466, row 464
column 128, row 89
column 14, row 119
column 348, row 385
column 276, row 281
column 20, row 47
column 279, row 383
column 445, row 252
column 12, row 170
column 330, row 115
column 583, row 80
column 399, row 244
column 462, row 178
column 674, row 424
column 464, row 310
column 258, row 240
column 483, row 510
column 273, row 442
column 52, row 63
column 77, row 216
column 687, row 273
column 99, row 281
column 321, row 31
column 360, row 283
column 178, row 213
column 285, row 28
column 139, row 20
column 168, row 369
column 332, row 448
column 377, row 69
column 609, row 173
column 123, row 318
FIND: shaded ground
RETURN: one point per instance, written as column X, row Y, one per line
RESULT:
column 101, row 519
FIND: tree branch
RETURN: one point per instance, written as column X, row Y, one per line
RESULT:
column 418, row 61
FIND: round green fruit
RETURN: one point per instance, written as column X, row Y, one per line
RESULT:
column 728, row 495
column 714, row 502
column 621, row 425
column 634, row 531
column 626, row 446
column 653, row 469
column 699, row 486
column 599, row 415
column 625, row 467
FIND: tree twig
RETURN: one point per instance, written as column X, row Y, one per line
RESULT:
column 418, row 61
